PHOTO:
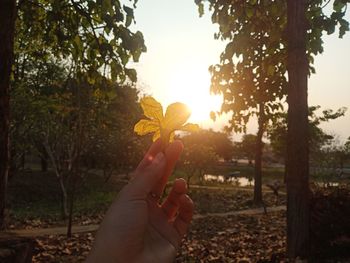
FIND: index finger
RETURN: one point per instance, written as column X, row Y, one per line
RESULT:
column 172, row 154
column 155, row 148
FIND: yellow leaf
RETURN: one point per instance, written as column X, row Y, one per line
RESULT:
column 156, row 135
column 164, row 127
column 167, row 136
column 152, row 108
column 172, row 137
column 175, row 116
column 190, row 127
column 144, row 127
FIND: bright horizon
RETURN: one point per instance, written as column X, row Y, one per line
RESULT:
column 181, row 47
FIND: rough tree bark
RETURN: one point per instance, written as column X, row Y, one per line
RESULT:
column 297, row 177
column 7, row 28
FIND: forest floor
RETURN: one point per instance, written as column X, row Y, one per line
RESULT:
column 226, row 226
column 227, row 238
column 34, row 199
column 76, row 229
column 218, row 233
column 238, row 236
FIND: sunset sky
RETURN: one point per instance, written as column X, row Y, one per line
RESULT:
column 181, row 47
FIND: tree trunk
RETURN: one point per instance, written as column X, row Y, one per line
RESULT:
column 107, row 174
column 64, row 198
column 297, row 178
column 59, row 178
column 71, row 203
column 43, row 163
column 7, row 28
column 23, row 160
column 258, row 159
column 188, row 181
column 76, row 162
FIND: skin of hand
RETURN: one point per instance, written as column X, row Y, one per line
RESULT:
column 136, row 227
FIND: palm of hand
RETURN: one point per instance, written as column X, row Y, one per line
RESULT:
column 137, row 228
column 160, row 227
column 161, row 239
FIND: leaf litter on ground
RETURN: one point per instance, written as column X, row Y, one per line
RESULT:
column 241, row 238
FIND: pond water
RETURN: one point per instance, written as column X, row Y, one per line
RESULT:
column 245, row 181
column 235, row 180
column 327, row 184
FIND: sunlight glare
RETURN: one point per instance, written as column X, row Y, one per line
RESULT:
column 190, row 84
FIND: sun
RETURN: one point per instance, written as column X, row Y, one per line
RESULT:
column 191, row 85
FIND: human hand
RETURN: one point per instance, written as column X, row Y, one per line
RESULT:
column 137, row 228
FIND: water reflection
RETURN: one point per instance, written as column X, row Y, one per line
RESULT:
column 235, row 180
column 327, row 184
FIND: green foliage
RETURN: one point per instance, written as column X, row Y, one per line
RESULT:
column 252, row 69
column 318, row 139
column 329, row 161
column 67, row 53
column 35, row 195
column 247, row 147
column 219, row 142
column 347, row 144
column 35, row 82
column 320, row 22
column 115, row 148
column 203, row 150
column 196, row 158
column 92, row 36
column 70, row 62
column 251, row 73
column 69, row 121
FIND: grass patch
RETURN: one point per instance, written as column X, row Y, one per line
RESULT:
column 37, row 195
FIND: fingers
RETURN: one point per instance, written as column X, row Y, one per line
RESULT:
column 172, row 154
column 185, row 215
column 172, row 203
column 152, row 173
column 147, row 178
column 155, row 148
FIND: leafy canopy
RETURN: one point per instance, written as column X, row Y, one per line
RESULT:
column 252, row 69
column 92, row 35
column 318, row 138
column 251, row 72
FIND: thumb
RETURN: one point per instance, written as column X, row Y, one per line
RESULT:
column 146, row 178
